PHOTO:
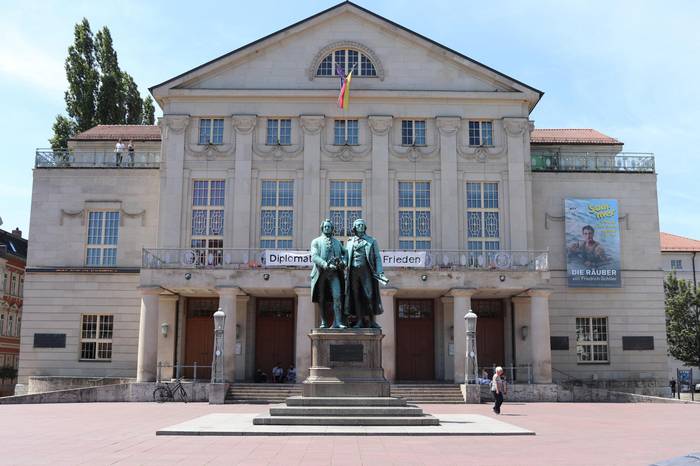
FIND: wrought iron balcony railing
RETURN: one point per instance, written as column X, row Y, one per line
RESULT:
column 627, row 162
column 393, row 259
column 68, row 158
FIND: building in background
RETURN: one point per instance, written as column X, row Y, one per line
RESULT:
column 217, row 206
column 13, row 258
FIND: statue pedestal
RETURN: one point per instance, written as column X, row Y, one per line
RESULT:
column 346, row 363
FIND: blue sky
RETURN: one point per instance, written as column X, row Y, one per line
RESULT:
column 627, row 68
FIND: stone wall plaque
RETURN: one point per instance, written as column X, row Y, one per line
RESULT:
column 637, row 343
column 559, row 343
column 346, row 353
column 49, row 340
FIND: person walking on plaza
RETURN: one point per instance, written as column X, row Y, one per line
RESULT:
column 498, row 388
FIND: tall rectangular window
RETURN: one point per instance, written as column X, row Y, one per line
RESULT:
column 346, row 132
column 5, row 282
column 96, row 337
column 2, row 324
column 346, row 206
column 103, row 235
column 482, row 218
column 592, row 339
column 279, row 131
column 208, row 221
column 414, row 215
column 480, row 133
column 277, row 214
column 676, row 264
column 10, row 325
column 413, row 132
column 211, row 131
column 14, row 290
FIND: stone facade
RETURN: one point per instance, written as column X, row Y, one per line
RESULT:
column 519, row 283
column 13, row 258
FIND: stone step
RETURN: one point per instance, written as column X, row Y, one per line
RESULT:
column 345, row 401
column 425, row 420
column 347, row 411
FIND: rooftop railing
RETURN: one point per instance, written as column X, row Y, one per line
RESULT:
column 68, row 158
column 621, row 162
column 393, row 259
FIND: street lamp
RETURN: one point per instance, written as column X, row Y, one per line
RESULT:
column 217, row 373
column 470, row 361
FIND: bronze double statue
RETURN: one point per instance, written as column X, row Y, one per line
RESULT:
column 347, row 277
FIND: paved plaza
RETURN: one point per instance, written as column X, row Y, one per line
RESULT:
column 566, row 433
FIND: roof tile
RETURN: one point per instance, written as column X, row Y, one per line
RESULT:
column 671, row 242
column 570, row 136
column 116, row 132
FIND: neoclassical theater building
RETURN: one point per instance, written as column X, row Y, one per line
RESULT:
column 131, row 253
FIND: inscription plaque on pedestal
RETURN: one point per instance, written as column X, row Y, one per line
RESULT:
column 346, row 353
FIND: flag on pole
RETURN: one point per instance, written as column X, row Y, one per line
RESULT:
column 344, row 95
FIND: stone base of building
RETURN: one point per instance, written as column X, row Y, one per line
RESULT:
column 346, row 363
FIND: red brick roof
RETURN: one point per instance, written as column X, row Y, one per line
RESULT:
column 671, row 242
column 116, row 132
column 570, row 136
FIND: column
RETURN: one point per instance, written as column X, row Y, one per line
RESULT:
column 228, row 304
column 449, row 200
column 167, row 309
column 147, row 360
column 242, row 186
column 381, row 211
column 387, row 321
column 539, row 334
column 518, row 134
column 311, row 201
column 523, row 347
column 241, row 336
column 462, row 302
column 304, row 325
column 173, row 129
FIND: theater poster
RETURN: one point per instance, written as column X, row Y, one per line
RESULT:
column 592, row 243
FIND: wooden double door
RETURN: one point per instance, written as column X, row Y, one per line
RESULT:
column 415, row 339
column 274, row 334
column 490, row 347
column 199, row 337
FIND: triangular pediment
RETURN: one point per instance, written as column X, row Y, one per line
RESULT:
column 288, row 59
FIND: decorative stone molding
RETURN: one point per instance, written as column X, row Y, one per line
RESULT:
column 312, row 124
column 175, row 123
column 123, row 213
column 464, row 292
column 75, row 213
column 345, row 44
column 278, row 151
column 414, row 153
column 244, row 124
column 212, row 151
column 380, row 125
column 448, row 125
column 516, row 126
column 346, row 152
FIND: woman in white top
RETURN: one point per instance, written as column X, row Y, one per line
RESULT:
column 498, row 388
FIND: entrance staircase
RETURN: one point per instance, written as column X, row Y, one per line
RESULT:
column 279, row 392
column 261, row 392
column 428, row 392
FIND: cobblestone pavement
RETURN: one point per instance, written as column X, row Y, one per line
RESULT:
column 567, row 434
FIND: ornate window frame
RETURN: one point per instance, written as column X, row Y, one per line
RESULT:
column 345, row 44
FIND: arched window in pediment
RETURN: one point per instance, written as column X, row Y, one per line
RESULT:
column 349, row 55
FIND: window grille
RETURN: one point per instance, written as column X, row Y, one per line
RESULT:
column 414, row 215
column 277, row 214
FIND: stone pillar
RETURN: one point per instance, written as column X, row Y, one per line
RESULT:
column 167, row 309
column 462, row 302
column 242, row 186
column 311, row 184
column 518, row 134
column 448, row 126
column 539, row 334
column 387, row 321
column 228, row 304
column 172, row 129
column 381, row 211
column 304, row 325
column 241, row 331
column 523, row 347
column 147, row 359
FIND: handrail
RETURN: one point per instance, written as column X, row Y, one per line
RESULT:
column 80, row 158
column 611, row 162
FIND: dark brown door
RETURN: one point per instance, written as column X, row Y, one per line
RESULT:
column 274, row 334
column 415, row 339
column 199, row 337
column 490, row 348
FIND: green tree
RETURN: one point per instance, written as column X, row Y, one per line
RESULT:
column 111, row 108
column 83, row 77
column 682, row 302
column 132, row 100
column 149, row 111
column 63, row 129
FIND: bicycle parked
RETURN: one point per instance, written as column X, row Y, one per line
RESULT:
column 164, row 392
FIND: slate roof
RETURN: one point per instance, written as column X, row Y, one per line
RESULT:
column 13, row 245
column 675, row 243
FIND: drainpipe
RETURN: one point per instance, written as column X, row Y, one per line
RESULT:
column 695, row 283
